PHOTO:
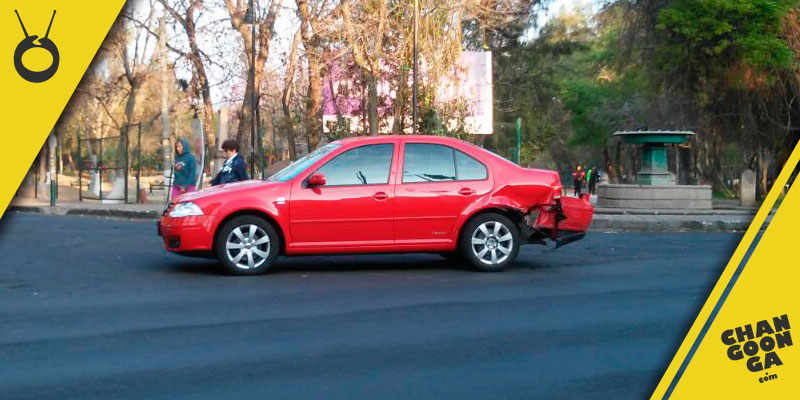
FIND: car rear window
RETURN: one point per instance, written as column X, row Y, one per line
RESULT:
column 468, row 168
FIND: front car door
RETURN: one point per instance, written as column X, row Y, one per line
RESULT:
column 354, row 209
column 437, row 184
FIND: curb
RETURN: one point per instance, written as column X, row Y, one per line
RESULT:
column 640, row 223
column 715, row 212
column 130, row 214
column 109, row 213
column 26, row 209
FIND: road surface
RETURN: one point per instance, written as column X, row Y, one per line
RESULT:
column 94, row 308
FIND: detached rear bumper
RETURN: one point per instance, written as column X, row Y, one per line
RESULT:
column 563, row 222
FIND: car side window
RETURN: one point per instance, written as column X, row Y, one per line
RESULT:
column 469, row 169
column 424, row 162
column 366, row 165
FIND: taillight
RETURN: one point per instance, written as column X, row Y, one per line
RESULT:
column 557, row 189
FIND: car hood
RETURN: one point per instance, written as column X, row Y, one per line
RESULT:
column 226, row 189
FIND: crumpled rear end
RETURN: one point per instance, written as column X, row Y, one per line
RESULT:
column 575, row 215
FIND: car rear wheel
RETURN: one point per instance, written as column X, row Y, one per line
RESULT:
column 247, row 245
column 489, row 242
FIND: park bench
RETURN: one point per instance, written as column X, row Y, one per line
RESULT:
column 76, row 183
column 157, row 185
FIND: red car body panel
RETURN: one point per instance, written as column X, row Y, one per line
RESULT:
column 390, row 217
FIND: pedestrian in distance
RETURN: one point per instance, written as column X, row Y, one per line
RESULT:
column 578, row 175
column 595, row 177
column 185, row 179
column 233, row 169
column 588, row 175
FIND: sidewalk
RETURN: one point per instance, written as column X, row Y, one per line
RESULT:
column 68, row 203
column 725, row 217
column 131, row 211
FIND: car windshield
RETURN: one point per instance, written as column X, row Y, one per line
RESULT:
column 300, row 165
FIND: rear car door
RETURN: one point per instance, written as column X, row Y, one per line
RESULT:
column 354, row 208
column 437, row 183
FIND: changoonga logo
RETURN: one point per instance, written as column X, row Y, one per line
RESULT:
column 759, row 345
column 29, row 43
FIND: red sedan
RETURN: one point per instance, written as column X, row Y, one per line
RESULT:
column 383, row 194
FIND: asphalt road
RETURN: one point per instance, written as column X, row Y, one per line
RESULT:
column 95, row 309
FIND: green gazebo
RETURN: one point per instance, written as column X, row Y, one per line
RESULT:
column 654, row 170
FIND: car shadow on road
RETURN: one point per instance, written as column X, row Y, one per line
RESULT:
column 302, row 264
column 197, row 267
column 390, row 262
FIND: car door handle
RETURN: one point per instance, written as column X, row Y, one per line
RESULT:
column 466, row 192
column 380, row 196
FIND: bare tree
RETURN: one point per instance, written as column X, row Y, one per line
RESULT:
column 365, row 36
column 265, row 18
column 314, row 24
column 186, row 13
column 132, row 43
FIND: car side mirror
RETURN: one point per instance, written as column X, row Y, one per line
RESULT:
column 316, row 179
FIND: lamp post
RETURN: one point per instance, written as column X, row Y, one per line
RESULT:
column 250, row 18
column 414, row 88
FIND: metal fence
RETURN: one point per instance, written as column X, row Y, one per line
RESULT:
column 506, row 139
column 100, row 158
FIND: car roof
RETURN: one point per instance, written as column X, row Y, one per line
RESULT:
column 430, row 138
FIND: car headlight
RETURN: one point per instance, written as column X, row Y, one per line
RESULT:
column 187, row 209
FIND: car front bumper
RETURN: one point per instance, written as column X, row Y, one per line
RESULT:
column 186, row 234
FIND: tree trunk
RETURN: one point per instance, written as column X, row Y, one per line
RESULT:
column 311, row 42
column 286, row 98
column 130, row 107
column 764, row 162
column 620, row 166
column 398, row 126
column 372, row 103
column 609, row 164
column 314, row 110
column 205, row 91
column 243, row 135
column 287, row 123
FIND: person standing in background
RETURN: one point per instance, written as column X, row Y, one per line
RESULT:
column 185, row 169
column 588, row 176
column 233, row 170
column 595, row 176
column 578, row 175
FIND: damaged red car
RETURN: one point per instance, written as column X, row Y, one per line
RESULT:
column 383, row 194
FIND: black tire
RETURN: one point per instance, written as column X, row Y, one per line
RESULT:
column 262, row 253
column 492, row 242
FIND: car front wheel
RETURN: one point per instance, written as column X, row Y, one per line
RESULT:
column 489, row 242
column 247, row 245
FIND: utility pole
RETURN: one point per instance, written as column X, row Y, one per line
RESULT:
column 414, row 89
column 250, row 18
column 52, row 143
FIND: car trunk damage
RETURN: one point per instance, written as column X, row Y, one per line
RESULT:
column 547, row 216
column 562, row 221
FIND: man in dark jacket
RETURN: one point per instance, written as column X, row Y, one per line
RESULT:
column 233, row 170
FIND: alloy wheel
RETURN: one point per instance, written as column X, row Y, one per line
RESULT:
column 492, row 242
column 247, row 246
